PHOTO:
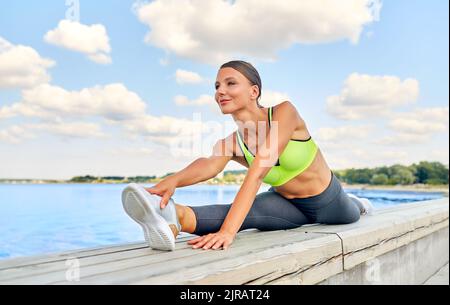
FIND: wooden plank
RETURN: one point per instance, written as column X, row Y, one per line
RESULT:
column 138, row 270
column 79, row 253
column 62, row 256
column 88, row 258
column 227, row 264
column 386, row 231
column 56, row 271
column 354, row 258
column 304, row 255
column 309, row 263
column 309, row 276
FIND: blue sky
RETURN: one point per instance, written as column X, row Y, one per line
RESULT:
column 372, row 85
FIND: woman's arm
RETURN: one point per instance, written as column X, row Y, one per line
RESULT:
column 267, row 156
column 280, row 133
column 200, row 170
column 203, row 169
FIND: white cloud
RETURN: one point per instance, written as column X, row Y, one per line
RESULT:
column 215, row 31
column 417, row 126
column 22, row 66
column 421, row 121
column 163, row 126
column 362, row 157
column 268, row 98
column 366, row 96
column 7, row 112
column 188, row 77
column 113, row 101
column 204, row 99
column 100, row 58
column 181, row 137
column 402, row 140
column 70, row 130
column 336, row 141
column 271, row 98
column 15, row 134
column 91, row 40
column 343, row 133
column 441, row 155
column 142, row 151
column 385, row 155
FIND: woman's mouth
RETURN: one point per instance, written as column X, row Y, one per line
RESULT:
column 223, row 102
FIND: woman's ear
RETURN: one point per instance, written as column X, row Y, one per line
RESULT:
column 255, row 91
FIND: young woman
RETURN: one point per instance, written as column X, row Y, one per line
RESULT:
column 304, row 189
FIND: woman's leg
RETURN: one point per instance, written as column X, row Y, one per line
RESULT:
column 332, row 206
column 343, row 210
column 186, row 217
column 270, row 211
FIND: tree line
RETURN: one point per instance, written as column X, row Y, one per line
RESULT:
column 91, row 179
column 433, row 173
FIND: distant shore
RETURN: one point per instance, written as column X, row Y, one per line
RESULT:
column 413, row 187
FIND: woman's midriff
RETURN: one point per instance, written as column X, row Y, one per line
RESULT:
column 313, row 181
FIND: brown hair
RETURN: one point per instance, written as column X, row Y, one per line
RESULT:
column 249, row 72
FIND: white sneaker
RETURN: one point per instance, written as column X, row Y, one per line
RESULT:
column 367, row 205
column 141, row 208
column 169, row 213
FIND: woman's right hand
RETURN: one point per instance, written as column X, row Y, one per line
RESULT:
column 164, row 189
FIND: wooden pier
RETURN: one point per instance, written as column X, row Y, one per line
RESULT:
column 402, row 245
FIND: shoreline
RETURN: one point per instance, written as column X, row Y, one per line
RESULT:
column 406, row 188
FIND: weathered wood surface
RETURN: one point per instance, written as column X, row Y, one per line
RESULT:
column 388, row 229
column 306, row 255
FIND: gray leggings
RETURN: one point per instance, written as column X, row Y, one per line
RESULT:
column 271, row 211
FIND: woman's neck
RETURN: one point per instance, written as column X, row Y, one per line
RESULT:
column 248, row 118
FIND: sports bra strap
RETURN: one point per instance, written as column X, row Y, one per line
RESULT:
column 270, row 115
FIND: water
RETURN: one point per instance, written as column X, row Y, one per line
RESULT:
column 39, row 219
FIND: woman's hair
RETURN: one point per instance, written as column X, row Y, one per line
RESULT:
column 249, row 72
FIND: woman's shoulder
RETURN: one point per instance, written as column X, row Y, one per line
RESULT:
column 284, row 107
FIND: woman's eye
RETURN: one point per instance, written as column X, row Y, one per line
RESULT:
column 230, row 83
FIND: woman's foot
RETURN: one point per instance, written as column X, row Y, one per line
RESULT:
column 366, row 207
column 169, row 213
column 142, row 208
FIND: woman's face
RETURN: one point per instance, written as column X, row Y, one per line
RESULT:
column 233, row 90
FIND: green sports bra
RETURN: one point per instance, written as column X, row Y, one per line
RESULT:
column 295, row 159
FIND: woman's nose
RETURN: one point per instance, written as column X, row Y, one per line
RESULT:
column 220, row 91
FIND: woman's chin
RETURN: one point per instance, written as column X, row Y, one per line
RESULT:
column 226, row 110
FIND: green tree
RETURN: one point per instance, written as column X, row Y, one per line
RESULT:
column 379, row 179
column 83, row 179
column 358, row 176
column 424, row 172
column 431, row 173
column 401, row 175
column 229, row 178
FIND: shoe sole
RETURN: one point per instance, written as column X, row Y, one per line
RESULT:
column 158, row 235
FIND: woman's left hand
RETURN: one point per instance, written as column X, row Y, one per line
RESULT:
column 213, row 241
